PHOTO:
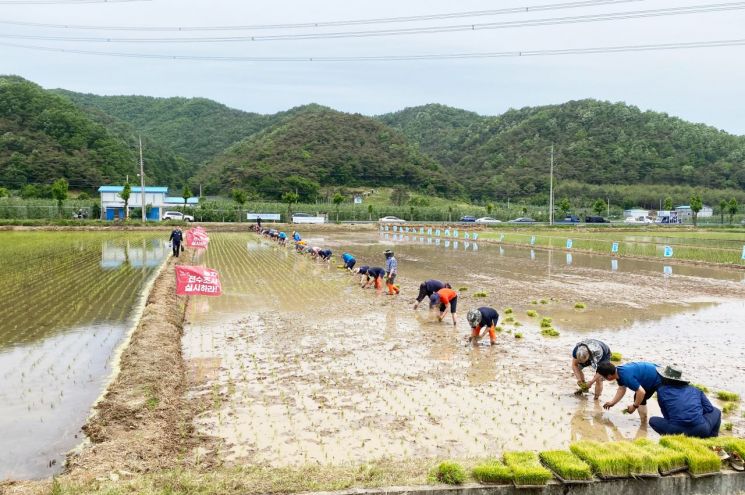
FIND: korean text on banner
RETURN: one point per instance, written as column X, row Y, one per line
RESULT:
column 197, row 281
column 197, row 238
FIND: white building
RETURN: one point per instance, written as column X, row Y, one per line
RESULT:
column 685, row 212
column 636, row 213
column 112, row 205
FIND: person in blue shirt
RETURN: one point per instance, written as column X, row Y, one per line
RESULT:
column 589, row 353
column 374, row 274
column 641, row 377
column 391, row 270
column 483, row 317
column 296, row 236
column 427, row 288
column 282, row 238
column 685, row 409
column 349, row 261
column 325, row 254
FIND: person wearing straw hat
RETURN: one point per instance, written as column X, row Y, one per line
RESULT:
column 641, row 377
column 483, row 317
column 685, row 409
column 589, row 353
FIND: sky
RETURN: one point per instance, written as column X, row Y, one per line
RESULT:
column 700, row 85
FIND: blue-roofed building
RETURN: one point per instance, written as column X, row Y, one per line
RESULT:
column 112, row 204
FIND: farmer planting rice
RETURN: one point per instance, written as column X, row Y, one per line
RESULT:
column 176, row 238
column 374, row 274
column 427, row 288
column 296, row 236
column 325, row 254
column 282, row 238
column 391, row 270
column 362, row 271
column 641, row 377
column 349, row 261
column 685, row 409
column 445, row 297
column 589, row 352
column 483, row 317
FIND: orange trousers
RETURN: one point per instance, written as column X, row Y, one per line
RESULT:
column 492, row 333
column 392, row 289
column 378, row 283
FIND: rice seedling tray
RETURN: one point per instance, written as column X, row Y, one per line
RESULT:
column 673, row 471
column 646, row 476
column 704, row 475
column 529, row 487
column 612, row 477
column 571, row 482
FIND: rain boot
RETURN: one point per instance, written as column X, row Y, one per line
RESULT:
column 492, row 335
column 391, row 289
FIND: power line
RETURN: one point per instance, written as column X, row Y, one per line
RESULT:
column 394, row 58
column 322, row 24
column 695, row 9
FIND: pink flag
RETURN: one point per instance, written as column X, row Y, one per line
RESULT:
column 197, row 238
column 197, row 281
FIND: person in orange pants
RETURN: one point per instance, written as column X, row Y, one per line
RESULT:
column 483, row 317
column 445, row 297
column 374, row 274
column 391, row 270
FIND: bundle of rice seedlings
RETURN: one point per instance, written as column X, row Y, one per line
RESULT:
column 550, row 332
column 668, row 460
column 462, row 289
column 526, row 468
column 642, row 463
column 729, row 407
column 498, row 328
column 480, row 294
column 723, row 395
column 508, row 311
column 699, row 457
column 509, row 319
column 532, row 313
column 702, row 388
column 567, row 465
column 543, row 301
column 616, row 357
column 492, row 471
column 727, row 426
column 546, row 322
column 605, row 462
column 451, row 473
column 579, row 305
column 518, row 335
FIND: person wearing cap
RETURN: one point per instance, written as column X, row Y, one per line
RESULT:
column 589, row 352
column 445, row 297
column 391, row 270
column 483, row 317
column 685, row 409
column 349, row 261
column 374, row 274
column 427, row 288
column 362, row 272
column 641, row 377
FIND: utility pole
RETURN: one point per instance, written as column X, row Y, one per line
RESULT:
column 142, row 182
column 551, row 190
column 608, row 198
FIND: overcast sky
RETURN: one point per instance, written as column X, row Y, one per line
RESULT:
column 701, row 85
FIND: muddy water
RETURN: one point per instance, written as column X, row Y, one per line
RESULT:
column 301, row 365
column 67, row 302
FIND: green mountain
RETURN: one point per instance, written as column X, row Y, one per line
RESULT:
column 196, row 128
column 324, row 148
column 44, row 136
column 595, row 142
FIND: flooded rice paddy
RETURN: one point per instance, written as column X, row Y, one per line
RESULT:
column 68, row 300
column 298, row 364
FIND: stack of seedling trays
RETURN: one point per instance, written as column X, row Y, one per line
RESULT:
column 668, row 461
column 567, row 467
column 523, row 469
column 701, row 460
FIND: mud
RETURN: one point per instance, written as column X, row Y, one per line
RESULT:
column 300, row 365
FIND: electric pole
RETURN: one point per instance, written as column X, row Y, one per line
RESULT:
column 142, row 182
column 551, row 190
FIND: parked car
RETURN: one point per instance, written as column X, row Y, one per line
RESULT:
column 177, row 215
column 391, row 220
column 487, row 220
column 302, row 215
column 467, row 218
column 596, row 219
column 569, row 219
column 522, row 220
column 643, row 220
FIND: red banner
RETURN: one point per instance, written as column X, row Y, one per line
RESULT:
column 197, row 281
column 197, row 238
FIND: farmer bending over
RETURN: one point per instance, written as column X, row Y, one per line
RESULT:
column 349, row 261
column 374, row 274
column 427, row 288
column 641, row 377
column 391, row 269
column 325, row 254
column 445, row 297
column 685, row 409
column 589, row 352
column 176, row 238
column 483, row 317
column 282, row 238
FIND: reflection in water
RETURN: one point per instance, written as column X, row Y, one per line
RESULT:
column 139, row 254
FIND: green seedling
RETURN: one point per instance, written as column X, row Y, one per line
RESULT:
column 566, row 465
column 723, row 395
column 518, row 335
column 508, row 311
column 702, row 388
column 462, row 289
column 450, row 473
column 546, row 322
column 532, row 313
column 550, row 332
column 729, row 407
column 533, row 302
column 727, row 426
column 616, row 357
column 479, row 294
column 492, row 472
column 699, row 457
column 729, row 444
column 666, row 459
column 498, row 328
column 579, row 305
column 604, row 460
column 543, row 301
column 526, row 468
column 517, row 324
column 641, row 462
column 509, row 319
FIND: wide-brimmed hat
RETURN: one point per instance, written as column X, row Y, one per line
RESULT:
column 671, row 372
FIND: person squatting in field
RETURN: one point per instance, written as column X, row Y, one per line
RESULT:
column 325, row 254
column 443, row 298
column 391, row 270
column 427, row 288
column 641, row 377
column 374, row 274
column 483, row 317
column 176, row 239
column 349, row 261
column 282, row 238
column 589, row 352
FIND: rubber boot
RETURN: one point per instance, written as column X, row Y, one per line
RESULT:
column 378, row 284
column 492, row 335
column 391, row 289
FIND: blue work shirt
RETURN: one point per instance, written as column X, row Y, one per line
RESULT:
column 375, row 272
column 282, row 235
column 363, row 270
column 489, row 316
column 346, row 257
column 683, row 405
column 433, row 286
column 391, row 265
column 632, row 375
column 296, row 237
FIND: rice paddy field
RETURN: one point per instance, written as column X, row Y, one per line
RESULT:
column 299, row 365
column 68, row 301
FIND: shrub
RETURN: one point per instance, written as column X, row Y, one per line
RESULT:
column 616, row 357
column 700, row 459
column 526, row 468
column 450, row 473
column 727, row 396
column 492, row 472
column 566, row 465
column 546, row 322
column 532, row 313
column 579, row 305
column 550, row 332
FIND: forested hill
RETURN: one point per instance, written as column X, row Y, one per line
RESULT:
column 196, row 128
column 325, row 147
column 596, row 142
column 44, row 136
